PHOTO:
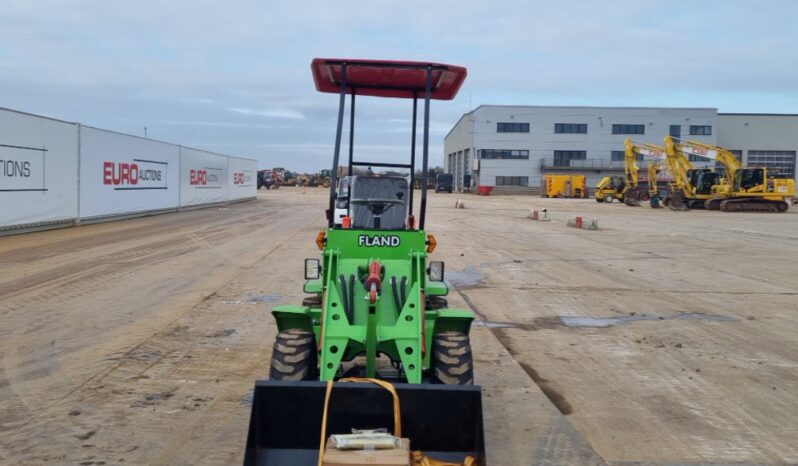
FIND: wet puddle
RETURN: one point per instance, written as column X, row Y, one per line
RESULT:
column 492, row 324
column 612, row 321
column 465, row 278
column 266, row 298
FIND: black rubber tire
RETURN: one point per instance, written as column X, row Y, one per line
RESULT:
column 451, row 361
column 294, row 356
column 436, row 302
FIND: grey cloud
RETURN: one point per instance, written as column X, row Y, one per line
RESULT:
column 234, row 76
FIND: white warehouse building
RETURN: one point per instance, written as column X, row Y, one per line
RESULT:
column 510, row 147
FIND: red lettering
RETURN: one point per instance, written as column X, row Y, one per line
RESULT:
column 198, row 177
column 122, row 173
column 108, row 172
column 134, row 173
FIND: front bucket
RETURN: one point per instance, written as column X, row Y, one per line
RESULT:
column 443, row 421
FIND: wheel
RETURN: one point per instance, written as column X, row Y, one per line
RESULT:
column 782, row 206
column 608, row 198
column 436, row 302
column 294, row 356
column 451, row 361
column 712, row 204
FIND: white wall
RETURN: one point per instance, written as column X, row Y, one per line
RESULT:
column 39, row 169
column 54, row 171
column 123, row 174
column 242, row 178
column 203, row 177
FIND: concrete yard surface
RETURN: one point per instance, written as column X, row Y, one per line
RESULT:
column 661, row 338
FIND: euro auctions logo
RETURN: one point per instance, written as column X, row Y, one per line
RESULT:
column 135, row 175
column 242, row 178
column 206, row 177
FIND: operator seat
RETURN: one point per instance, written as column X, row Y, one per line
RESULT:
column 378, row 202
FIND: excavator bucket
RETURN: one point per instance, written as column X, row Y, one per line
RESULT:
column 442, row 421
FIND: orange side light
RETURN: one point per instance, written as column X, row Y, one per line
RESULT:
column 432, row 243
column 321, row 239
column 346, row 222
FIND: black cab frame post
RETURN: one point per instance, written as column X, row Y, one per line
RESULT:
column 425, row 156
column 351, row 133
column 334, row 173
column 413, row 152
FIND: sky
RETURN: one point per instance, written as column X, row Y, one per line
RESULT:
column 233, row 76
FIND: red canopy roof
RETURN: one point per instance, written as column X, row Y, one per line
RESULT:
column 385, row 78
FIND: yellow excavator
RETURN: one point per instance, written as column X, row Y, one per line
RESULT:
column 627, row 188
column 740, row 189
column 691, row 186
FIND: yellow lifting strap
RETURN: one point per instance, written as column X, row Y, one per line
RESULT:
column 419, row 458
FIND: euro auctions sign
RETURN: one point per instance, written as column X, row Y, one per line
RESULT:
column 136, row 174
column 22, row 168
column 242, row 178
column 206, row 177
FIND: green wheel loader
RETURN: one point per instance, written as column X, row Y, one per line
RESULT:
column 376, row 305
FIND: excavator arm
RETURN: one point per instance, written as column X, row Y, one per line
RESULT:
column 724, row 157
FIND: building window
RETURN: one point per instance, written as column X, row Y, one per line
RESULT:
column 780, row 163
column 697, row 158
column 628, row 129
column 620, row 156
column 505, row 127
column 570, row 128
column 512, row 181
column 675, row 131
column 700, row 130
column 503, row 154
column 562, row 158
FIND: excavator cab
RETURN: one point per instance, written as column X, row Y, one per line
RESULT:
column 704, row 179
column 746, row 179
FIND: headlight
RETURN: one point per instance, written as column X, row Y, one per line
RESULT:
column 312, row 269
column 435, row 271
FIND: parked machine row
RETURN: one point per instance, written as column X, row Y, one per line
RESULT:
column 729, row 186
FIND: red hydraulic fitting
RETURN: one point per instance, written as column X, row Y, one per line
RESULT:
column 374, row 282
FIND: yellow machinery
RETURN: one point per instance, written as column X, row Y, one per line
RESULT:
column 691, row 187
column 570, row 186
column 610, row 188
column 740, row 188
column 653, row 188
column 627, row 188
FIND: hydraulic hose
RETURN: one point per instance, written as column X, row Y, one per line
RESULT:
column 396, row 299
column 351, row 296
column 344, row 298
column 404, row 291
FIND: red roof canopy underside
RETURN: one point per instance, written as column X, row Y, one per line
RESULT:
column 385, row 78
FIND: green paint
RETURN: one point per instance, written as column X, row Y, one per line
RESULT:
column 394, row 332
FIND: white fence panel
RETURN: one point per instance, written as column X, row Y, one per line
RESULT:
column 242, row 179
column 38, row 169
column 121, row 174
column 203, row 177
